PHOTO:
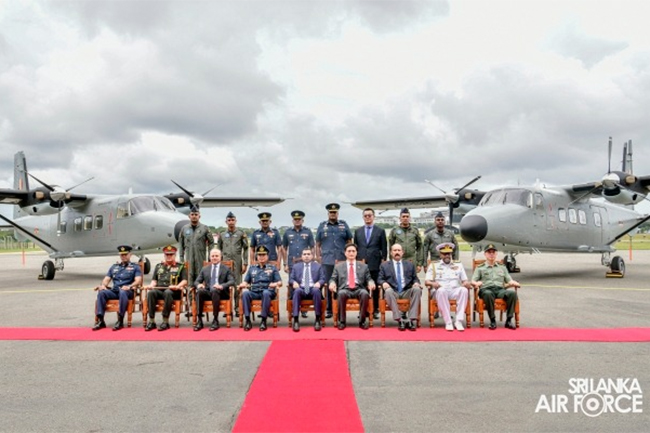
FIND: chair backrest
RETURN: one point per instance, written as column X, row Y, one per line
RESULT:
column 229, row 263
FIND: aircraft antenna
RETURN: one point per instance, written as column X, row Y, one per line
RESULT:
column 629, row 157
column 609, row 158
column 624, row 165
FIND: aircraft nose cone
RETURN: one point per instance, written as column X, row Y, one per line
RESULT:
column 473, row 228
column 177, row 229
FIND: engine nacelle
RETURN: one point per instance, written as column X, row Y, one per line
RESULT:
column 40, row 209
column 623, row 196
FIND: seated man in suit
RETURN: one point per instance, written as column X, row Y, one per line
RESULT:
column 260, row 282
column 448, row 280
column 306, row 280
column 169, row 279
column 219, row 280
column 349, row 280
column 493, row 281
column 400, row 281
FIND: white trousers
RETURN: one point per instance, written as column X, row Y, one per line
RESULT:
column 459, row 294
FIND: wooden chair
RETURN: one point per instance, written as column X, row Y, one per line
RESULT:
column 113, row 305
column 403, row 304
column 351, row 305
column 433, row 309
column 177, row 306
column 225, row 305
column 499, row 305
column 306, row 305
column 256, row 305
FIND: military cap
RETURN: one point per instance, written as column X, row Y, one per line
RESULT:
column 262, row 250
column 230, row 215
column 404, row 210
column 333, row 207
column 194, row 208
column 439, row 215
column 445, row 247
column 297, row 214
column 264, row 216
column 124, row 249
column 491, row 247
column 170, row 249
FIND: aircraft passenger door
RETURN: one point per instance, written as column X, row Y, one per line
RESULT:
column 600, row 220
column 539, row 211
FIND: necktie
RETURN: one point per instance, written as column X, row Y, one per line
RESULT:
column 368, row 229
column 213, row 277
column 400, row 284
column 307, row 280
column 351, row 283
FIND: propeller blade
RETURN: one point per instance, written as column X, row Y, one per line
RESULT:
column 183, row 189
column 433, row 185
column 468, row 183
column 58, row 222
column 609, row 159
column 79, row 184
column 451, row 214
column 591, row 191
column 210, row 190
column 40, row 181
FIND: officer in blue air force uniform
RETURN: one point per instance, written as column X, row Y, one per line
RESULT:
column 268, row 237
column 261, row 281
column 331, row 238
column 295, row 240
column 125, row 275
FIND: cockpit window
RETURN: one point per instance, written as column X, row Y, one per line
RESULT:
column 143, row 203
column 520, row 197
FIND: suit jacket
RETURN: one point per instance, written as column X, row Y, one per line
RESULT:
column 387, row 274
column 375, row 250
column 317, row 274
column 225, row 277
column 340, row 275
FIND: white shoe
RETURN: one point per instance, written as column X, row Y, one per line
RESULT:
column 449, row 327
column 459, row 325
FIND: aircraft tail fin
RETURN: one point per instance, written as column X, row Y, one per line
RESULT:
column 21, row 181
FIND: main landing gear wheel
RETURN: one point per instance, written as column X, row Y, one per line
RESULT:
column 511, row 264
column 47, row 271
column 147, row 266
column 617, row 267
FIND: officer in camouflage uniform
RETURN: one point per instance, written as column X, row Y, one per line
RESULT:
column 408, row 236
column 233, row 244
column 331, row 238
column 493, row 281
column 194, row 242
column 439, row 235
column 173, row 276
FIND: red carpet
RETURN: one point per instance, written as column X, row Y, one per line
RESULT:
column 186, row 333
column 286, row 396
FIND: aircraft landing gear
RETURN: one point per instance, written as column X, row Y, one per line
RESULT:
column 47, row 271
column 511, row 263
column 616, row 266
column 147, row 264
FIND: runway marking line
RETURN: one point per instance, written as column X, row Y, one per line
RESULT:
column 44, row 290
column 632, row 289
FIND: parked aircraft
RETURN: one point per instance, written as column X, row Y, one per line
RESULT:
column 69, row 225
column 586, row 218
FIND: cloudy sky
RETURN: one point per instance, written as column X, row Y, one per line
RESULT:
column 321, row 101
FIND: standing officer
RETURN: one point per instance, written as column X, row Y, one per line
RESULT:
column 194, row 241
column 371, row 241
column 448, row 280
column 233, row 243
column 331, row 237
column 262, row 280
column 408, row 236
column 493, row 281
column 171, row 278
column 439, row 235
column 268, row 237
column 125, row 276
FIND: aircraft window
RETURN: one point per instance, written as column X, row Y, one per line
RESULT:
column 63, row 226
column 99, row 222
column 539, row 202
column 149, row 203
column 597, row 219
column 517, row 196
column 572, row 216
column 561, row 213
column 122, row 209
column 88, row 222
column 486, row 199
column 582, row 217
column 164, row 204
column 77, row 224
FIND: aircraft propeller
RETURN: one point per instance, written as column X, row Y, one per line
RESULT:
column 453, row 197
column 194, row 197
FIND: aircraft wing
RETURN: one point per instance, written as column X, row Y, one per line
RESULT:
column 399, row 203
column 13, row 196
column 182, row 200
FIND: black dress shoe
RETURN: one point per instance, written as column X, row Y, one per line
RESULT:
column 263, row 326
column 303, row 314
column 99, row 325
column 317, row 326
column 375, row 315
column 214, row 326
column 401, row 326
column 199, row 325
column 341, row 326
column 363, row 325
column 150, row 326
column 296, row 326
column 510, row 325
column 163, row 326
column 413, row 326
column 248, row 325
column 118, row 325
column 493, row 325
column 328, row 315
